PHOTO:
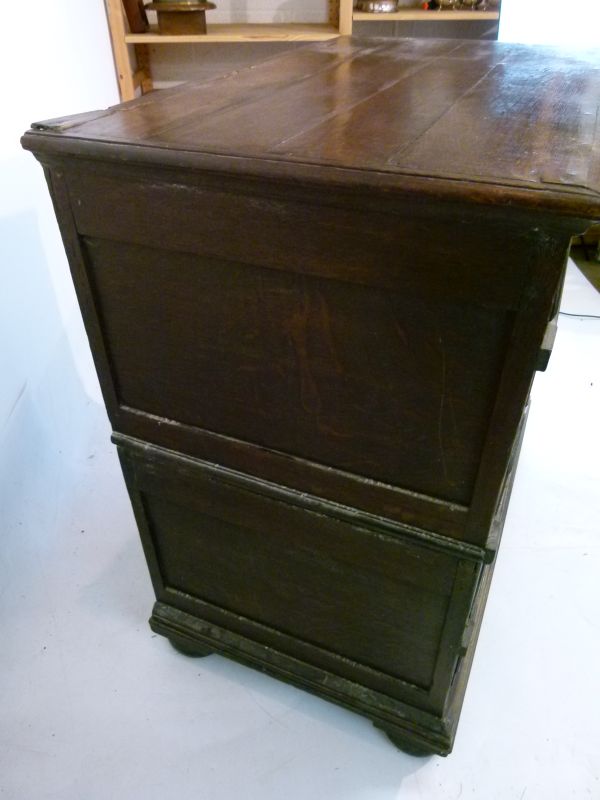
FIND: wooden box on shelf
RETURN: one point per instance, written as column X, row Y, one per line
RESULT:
column 181, row 18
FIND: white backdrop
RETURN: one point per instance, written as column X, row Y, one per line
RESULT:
column 269, row 11
column 573, row 22
column 56, row 60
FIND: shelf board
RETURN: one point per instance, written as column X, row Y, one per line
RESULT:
column 294, row 32
column 419, row 15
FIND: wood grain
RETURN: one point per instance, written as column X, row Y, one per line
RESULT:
column 369, row 382
column 316, row 292
column 505, row 115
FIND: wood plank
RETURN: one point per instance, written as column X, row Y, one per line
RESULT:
column 346, row 17
column 325, row 496
column 419, row 15
column 302, row 365
column 142, row 54
column 356, row 87
column 371, row 247
column 517, row 377
column 124, row 62
column 507, row 118
column 158, row 114
column 541, row 124
column 380, row 126
column 242, row 32
column 177, row 616
column 372, row 497
column 304, row 570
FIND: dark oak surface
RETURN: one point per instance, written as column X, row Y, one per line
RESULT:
column 508, row 117
column 316, row 293
column 304, row 380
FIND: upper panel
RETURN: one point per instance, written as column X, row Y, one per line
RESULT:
column 510, row 122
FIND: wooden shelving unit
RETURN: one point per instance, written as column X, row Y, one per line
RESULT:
column 131, row 50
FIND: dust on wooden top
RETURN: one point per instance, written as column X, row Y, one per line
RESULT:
column 489, row 120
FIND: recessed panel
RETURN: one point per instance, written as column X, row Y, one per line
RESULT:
column 375, row 602
column 363, row 379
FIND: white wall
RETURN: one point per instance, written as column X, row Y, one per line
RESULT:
column 572, row 22
column 269, row 11
column 55, row 60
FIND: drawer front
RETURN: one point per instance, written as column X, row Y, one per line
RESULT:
column 292, row 574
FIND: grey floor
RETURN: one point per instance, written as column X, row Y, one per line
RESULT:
column 93, row 706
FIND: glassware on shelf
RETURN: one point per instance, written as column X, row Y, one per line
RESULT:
column 377, row 6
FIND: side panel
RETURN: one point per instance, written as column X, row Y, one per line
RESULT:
column 362, row 379
column 392, row 362
column 343, row 386
column 380, row 359
column 298, row 576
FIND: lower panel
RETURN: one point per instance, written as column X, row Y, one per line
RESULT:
column 372, row 617
column 375, row 602
column 425, row 730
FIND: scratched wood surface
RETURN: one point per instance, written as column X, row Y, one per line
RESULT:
column 343, row 375
column 316, row 292
column 501, row 114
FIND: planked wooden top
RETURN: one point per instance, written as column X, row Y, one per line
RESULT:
column 492, row 122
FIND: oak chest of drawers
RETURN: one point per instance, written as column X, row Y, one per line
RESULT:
column 316, row 293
